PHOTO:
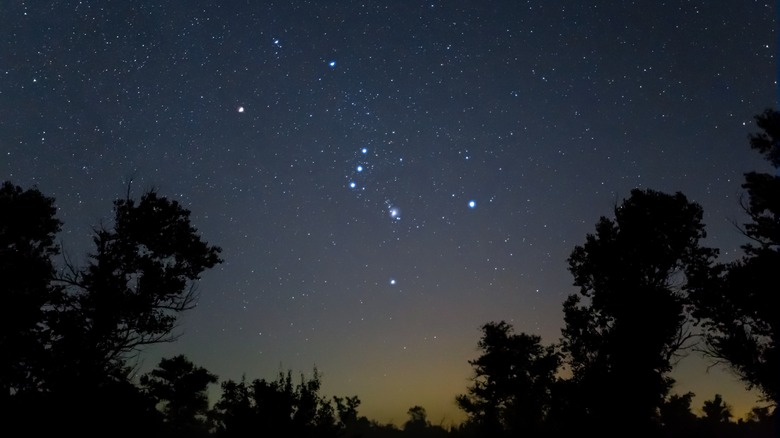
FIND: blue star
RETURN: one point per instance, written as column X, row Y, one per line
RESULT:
column 472, row 204
column 332, row 64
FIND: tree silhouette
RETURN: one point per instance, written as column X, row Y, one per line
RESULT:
column 276, row 407
column 738, row 305
column 234, row 413
column 180, row 387
column 418, row 420
column 419, row 426
column 716, row 410
column 28, row 225
column 633, row 274
column 346, row 408
column 760, row 422
column 313, row 414
column 66, row 344
column 676, row 416
column 352, row 424
column 514, row 375
column 140, row 277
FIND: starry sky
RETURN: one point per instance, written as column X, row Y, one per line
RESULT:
column 384, row 177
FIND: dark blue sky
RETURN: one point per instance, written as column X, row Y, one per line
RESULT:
column 333, row 148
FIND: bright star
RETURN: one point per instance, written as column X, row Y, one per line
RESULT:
column 392, row 281
column 364, row 150
column 352, row 185
column 240, row 109
column 332, row 64
column 359, row 168
column 472, row 204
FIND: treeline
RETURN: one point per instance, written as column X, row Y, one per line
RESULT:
column 295, row 407
column 649, row 291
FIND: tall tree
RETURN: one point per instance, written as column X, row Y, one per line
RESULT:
column 738, row 307
column 628, row 321
column 180, row 388
column 140, row 277
column 66, row 337
column 28, row 226
column 514, row 375
column 66, row 343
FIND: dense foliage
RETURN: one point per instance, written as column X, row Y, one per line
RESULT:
column 737, row 303
column 68, row 334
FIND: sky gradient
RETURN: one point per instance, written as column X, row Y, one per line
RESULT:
column 385, row 177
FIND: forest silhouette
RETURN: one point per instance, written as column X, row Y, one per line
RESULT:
column 649, row 292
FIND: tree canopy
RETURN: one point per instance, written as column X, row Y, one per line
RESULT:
column 737, row 302
column 68, row 334
column 180, row 390
column 629, row 319
column 28, row 227
column 511, row 389
column 138, row 279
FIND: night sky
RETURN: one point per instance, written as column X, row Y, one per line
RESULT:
column 385, row 177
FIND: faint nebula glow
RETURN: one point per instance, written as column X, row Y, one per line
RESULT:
column 395, row 213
